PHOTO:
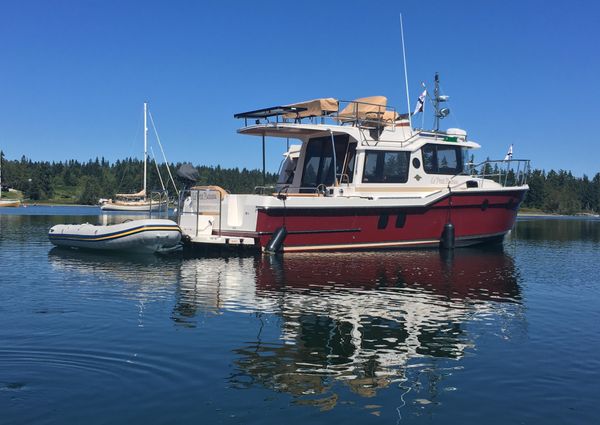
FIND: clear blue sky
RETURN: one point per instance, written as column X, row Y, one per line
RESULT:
column 74, row 74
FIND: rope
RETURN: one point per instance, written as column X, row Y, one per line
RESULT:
column 163, row 153
column 157, row 169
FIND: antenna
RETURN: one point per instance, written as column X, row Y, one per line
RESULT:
column 437, row 99
column 145, row 144
column 405, row 72
column 436, row 102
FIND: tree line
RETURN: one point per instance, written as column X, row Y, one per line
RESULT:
column 86, row 182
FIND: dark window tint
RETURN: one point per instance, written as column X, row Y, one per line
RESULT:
column 318, row 164
column 386, row 167
column 441, row 159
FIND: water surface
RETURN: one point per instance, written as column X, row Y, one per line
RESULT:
column 502, row 335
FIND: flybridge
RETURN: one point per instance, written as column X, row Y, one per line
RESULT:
column 368, row 112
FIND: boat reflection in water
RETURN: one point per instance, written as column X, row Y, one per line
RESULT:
column 324, row 324
column 139, row 277
column 360, row 321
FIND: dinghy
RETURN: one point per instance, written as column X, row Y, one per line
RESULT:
column 149, row 235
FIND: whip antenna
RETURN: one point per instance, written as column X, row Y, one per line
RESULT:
column 405, row 72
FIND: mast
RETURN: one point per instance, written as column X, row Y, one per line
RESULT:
column 0, row 174
column 436, row 101
column 145, row 144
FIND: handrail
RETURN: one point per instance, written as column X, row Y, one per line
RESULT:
column 186, row 208
column 162, row 197
column 490, row 170
column 303, row 190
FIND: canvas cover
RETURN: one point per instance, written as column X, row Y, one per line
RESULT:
column 364, row 108
column 314, row 108
column 369, row 109
column 140, row 194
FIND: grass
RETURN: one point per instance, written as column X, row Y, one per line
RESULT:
column 12, row 195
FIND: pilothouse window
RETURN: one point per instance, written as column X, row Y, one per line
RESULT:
column 386, row 167
column 442, row 159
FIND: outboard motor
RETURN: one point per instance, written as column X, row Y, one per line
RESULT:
column 188, row 175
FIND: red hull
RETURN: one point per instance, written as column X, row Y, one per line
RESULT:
column 476, row 218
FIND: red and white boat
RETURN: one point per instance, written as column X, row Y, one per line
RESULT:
column 364, row 178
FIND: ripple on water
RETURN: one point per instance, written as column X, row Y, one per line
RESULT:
column 115, row 363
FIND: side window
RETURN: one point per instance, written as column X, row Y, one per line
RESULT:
column 395, row 167
column 386, row 167
column 311, row 164
column 370, row 171
column 441, row 159
column 429, row 162
column 447, row 160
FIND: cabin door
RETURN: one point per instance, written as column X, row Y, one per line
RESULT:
column 319, row 162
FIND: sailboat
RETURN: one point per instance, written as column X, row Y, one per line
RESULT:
column 6, row 202
column 136, row 201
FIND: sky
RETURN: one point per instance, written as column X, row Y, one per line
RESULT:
column 75, row 73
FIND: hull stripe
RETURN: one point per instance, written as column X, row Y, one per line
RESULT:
column 112, row 236
column 414, row 243
column 360, row 245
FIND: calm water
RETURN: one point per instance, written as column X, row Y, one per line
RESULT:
column 508, row 335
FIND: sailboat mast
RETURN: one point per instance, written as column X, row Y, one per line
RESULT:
column 145, row 144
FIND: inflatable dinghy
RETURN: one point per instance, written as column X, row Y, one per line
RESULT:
column 150, row 235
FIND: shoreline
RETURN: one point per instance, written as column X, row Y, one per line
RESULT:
column 52, row 204
column 545, row 214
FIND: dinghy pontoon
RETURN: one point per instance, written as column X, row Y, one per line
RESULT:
column 149, row 235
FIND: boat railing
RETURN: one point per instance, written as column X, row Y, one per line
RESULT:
column 282, row 191
column 201, row 200
column 160, row 198
column 506, row 172
column 265, row 190
column 352, row 112
column 365, row 114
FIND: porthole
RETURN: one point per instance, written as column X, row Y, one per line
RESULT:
column 416, row 163
column 485, row 205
